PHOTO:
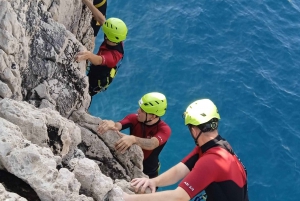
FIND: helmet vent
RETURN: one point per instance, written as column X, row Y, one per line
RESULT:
column 157, row 102
column 151, row 104
column 204, row 115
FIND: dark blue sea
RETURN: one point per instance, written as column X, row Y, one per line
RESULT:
column 244, row 55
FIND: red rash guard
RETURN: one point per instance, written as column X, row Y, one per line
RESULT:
column 160, row 130
column 110, row 54
column 217, row 171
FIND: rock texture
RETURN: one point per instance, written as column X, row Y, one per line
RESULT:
column 4, row 195
column 47, row 138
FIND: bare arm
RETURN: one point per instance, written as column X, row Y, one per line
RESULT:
column 169, row 177
column 87, row 55
column 174, row 195
column 173, row 175
column 127, row 140
column 106, row 125
column 96, row 13
column 147, row 144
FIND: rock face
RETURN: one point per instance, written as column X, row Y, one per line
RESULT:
column 47, row 139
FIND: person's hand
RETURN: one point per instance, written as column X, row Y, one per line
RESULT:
column 106, row 125
column 140, row 185
column 124, row 143
column 83, row 55
column 85, row 1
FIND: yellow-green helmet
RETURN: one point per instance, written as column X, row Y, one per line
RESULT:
column 154, row 103
column 200, row 112
column 115, row 30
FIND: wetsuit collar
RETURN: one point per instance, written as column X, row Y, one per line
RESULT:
column 154, row 123
column 211, row 143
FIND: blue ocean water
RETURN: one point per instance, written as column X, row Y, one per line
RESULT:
column 243, row 55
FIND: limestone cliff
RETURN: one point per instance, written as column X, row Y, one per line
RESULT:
column 47, row 138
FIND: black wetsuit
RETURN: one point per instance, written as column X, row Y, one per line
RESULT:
column 101, row 76
column 101, row 5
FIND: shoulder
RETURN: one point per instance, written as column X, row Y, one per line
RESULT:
column 217, row 152
column 164, row 125
column 132, row 117
column 215, row 157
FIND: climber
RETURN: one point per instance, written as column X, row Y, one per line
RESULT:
column 105, row 63
column 146, row 130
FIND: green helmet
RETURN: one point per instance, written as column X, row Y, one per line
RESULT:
column 115, row 30
column 154, row 103
column 200, row 112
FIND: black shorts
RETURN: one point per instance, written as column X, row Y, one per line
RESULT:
column 96, row 26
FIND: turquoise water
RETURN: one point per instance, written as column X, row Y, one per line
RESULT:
column 244, row 55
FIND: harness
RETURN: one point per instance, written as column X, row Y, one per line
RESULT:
column 98, row 5
column 103, row 76
column 112, row 74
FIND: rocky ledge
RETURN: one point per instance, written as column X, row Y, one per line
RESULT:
column 49, row 149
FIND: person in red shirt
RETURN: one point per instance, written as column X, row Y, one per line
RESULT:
column 146, row 130
column 211, row 166
column 105, row 63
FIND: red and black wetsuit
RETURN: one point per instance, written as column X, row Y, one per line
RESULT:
column 100, row 76
column 101, row 5
column 217, row 170
column 160, row 130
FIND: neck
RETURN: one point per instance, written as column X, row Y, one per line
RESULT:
column 153, row 121
column 111, row 43
column 206, row 137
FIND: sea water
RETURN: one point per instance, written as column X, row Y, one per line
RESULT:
column 243, row 55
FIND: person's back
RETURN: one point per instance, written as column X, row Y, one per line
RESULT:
column 230, row 176
column 223, row 176
column 230, row 185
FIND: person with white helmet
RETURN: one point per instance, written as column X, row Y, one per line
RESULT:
column 211, row 166
column 105, row 63
column 146, row 130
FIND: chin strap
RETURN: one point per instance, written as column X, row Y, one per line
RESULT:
column 146, row 119
column 143, row 126
column 196, row 142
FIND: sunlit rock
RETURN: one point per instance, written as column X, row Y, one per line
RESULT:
column 48, row 141
column 4, row 195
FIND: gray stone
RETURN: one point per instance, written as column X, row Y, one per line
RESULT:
column 47, row 138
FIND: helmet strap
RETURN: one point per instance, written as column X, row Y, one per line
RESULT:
column 146, row 121
column 196, row 139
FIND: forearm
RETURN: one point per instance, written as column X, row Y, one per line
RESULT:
column 147, row 144
column 171, row 176
column 172, row 195
column 95, row 59
column 99, row 17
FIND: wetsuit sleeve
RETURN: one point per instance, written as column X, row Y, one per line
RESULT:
column 191, row 159
column 205, row 172
column 163, row 134
column 111, row 58
column 128, row 121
